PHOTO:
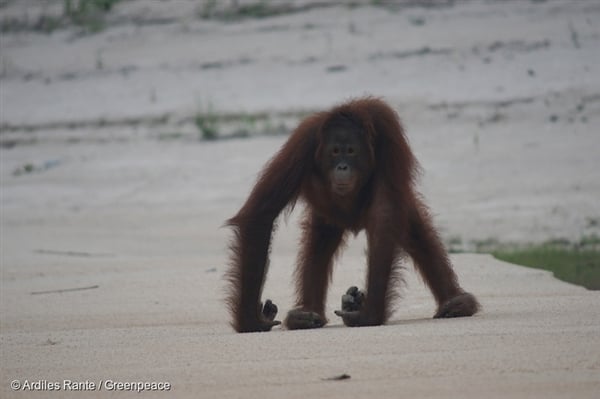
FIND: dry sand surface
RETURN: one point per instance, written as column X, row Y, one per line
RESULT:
column 106, row 189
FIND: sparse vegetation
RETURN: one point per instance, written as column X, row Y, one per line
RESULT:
column 212, row 125
column 25, row 169
column 574, row 262
column 454, row 244
column 207, row 124
column 30, row 168
column 213, row 9
column 258, row 9
column 88, row 13
column 208, row 10
column 574, row 265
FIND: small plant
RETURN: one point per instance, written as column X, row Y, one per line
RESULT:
column 257, row 9
column 209, row 9
column 248, row 124
column 454, row 244
column 88, row 13
column 23, row 170
column 207, row 124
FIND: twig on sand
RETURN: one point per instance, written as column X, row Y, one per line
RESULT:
column 71, row 253
column 91, row 287
column 340, row 377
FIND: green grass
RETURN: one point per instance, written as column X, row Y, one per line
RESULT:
column 574, row 264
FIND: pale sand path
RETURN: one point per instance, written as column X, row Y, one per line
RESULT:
column 148, row 235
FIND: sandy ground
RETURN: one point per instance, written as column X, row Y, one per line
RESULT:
column 502, row 106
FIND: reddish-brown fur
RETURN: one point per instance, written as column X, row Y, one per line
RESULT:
column 386, row 205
